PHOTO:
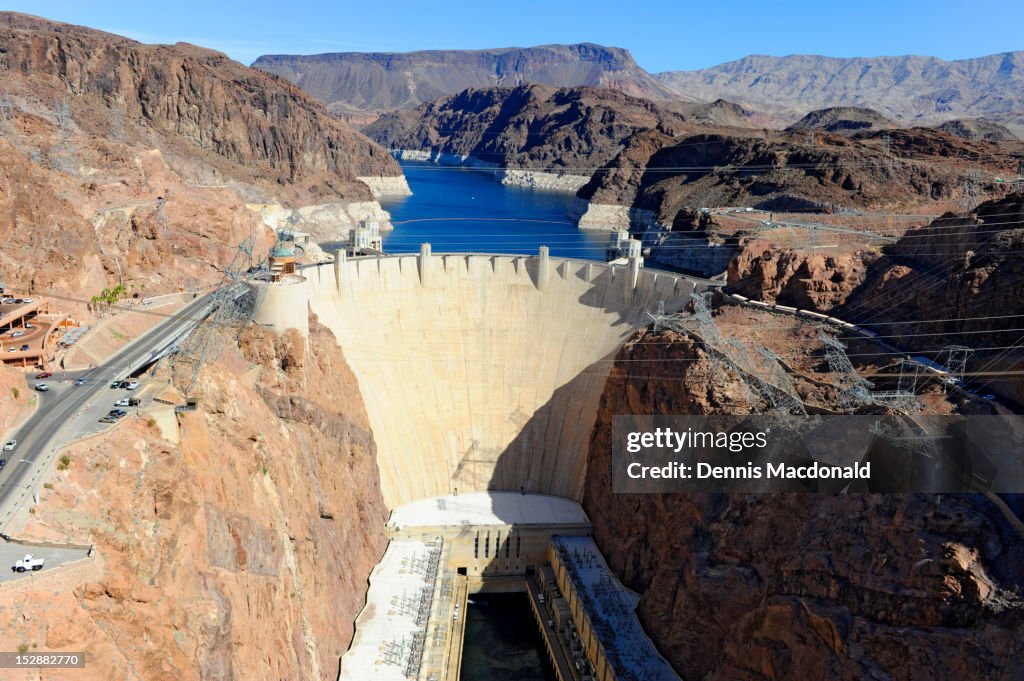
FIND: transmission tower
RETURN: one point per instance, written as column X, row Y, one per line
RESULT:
column 957, row 357
column 1018, row 184
column 231, row 307
column 972, row 183
column 810, row 136
column 853, row 390
column 6, row 108
column 116, row 123
column 761, row 378
column 886, row 144
column 63, row 154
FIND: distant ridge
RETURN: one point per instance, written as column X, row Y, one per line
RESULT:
column 909, row 89
column 357, row 82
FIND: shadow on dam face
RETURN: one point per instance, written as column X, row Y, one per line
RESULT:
column 483, row 372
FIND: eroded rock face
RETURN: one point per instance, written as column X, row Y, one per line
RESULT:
column 789, row 586
column 810, row 280
column 243, row 552
column 198, row 96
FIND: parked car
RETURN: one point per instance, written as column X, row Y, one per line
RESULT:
column 10, row 445
column 29, row 563
column 24, row 347
column 132, row 384
column 118, row 413
column 29, row 326
column 43, row 374
column 123, row 402
column 27, row 300
column 17, row 333
column 107, row 419
column 988, row 396
column 42, row 387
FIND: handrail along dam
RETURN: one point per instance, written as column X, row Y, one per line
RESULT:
column 481, row 373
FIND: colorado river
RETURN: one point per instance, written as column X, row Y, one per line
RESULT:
column 458, row 210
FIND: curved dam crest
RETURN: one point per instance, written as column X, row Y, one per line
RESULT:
column 478, row 371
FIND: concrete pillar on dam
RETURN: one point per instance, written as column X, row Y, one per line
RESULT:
column 425, row 264
column 543, row 268
column 339, row 266
column 635, row 262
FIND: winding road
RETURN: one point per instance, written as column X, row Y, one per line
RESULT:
column 53, row 424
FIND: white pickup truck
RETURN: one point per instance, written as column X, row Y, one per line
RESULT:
column 29, row 563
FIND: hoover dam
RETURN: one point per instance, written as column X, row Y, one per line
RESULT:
column 481, row 375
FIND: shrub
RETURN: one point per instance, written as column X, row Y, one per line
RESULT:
column 65, row 461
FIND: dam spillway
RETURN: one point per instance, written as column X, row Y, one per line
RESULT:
column 479, row 371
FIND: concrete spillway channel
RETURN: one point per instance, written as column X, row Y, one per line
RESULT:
column 480, row 373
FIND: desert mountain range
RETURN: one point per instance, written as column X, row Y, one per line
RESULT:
column 911, row 90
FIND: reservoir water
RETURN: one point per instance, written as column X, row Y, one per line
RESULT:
column 502, row 641
column 458, row 210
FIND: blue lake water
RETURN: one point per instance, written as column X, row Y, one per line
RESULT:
column 457, row 210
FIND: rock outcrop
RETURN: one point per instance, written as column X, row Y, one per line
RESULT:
column 669, row 176
column 142, row 171
column 240, row 553
column 801, row 586
column 978, row 129
column 357, row 82
column 843, row 120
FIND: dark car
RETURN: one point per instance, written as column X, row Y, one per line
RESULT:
column 3, row 462
column 118, row 413
column 43, row 374
column 117, row 384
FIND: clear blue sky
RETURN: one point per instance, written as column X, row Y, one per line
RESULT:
column 662, row 36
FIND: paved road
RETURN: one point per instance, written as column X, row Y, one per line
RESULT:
column 56, row 421
column 10, row 553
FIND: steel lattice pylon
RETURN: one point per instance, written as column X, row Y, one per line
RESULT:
column 854, row 390
column 764, row 380
column 231, row 307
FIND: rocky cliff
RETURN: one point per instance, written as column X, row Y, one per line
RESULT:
column 960, row 274
column 353, row 82
column 802, row 586
column 908, row 89
column 565, row 131
column 667, row 176
column 240, row 551
column 133, row 164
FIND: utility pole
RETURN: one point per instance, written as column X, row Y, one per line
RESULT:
column 1018, row 184
column 971, row 190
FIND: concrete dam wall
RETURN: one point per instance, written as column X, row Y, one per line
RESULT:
column 481, row 372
